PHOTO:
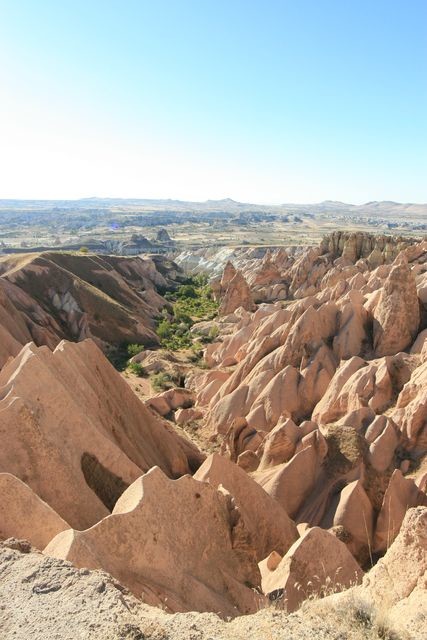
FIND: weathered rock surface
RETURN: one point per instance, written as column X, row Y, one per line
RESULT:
column 45, row 599
column 393, row 595
column 317, row 405
column 401, row 494
column 397, row 314
column 62, row 295
column 24, row 515
column 234, row 292
column 177, row 544
column 267, row 522
column 74, row 431
column 316, row 565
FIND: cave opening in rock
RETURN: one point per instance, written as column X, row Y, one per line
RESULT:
column 103, row 482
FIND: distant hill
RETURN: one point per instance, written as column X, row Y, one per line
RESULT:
column 226, row 205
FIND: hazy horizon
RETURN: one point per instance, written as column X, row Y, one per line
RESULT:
column 206, row 200
column 277, row 102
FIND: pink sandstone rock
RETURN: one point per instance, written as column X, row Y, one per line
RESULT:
column 280, row 444
column 75, row 432
column 170, row 400
column 401, row 494
column 315, row 565
column 24, row 515
column 267, row 522
column 382, row 449
column 236, row 294
column 397, row 314
column 410, row 412
column 183, row 416
column 177, row 544
column 394, row 591
column 355, row 514
column 291, row 483
column 420, row 341
column 356, row 385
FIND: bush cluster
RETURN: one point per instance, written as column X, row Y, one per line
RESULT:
column 163, row 381
column 120, row 355
column 192, row 301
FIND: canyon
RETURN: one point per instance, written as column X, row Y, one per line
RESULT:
column 276, row 489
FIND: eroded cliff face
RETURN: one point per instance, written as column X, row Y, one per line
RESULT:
column 48, row 297
column 297, row 271
column 322, row 400
column 315, row 404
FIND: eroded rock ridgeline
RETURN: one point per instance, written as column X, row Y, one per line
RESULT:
column 293, row 272
column 48, row 297
column 48, row 598
column 317, row 408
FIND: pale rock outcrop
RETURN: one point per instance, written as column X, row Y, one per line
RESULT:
column 410, row 412
column 352, row 328
column 74, row 431
column 316, row 565
column 234, row 292
column 356, row 385
column 208, row 385
column 420, row 342
column 240, row 438
column 267, row 522
column 292, row 482
column 183, row 416
column 394, row 591
column 24, row 515
column 280, row 444
column 397, row 314
column 355, row 514
column 204, row 562
column 279, row 395
column 248, row 461
column 382, row 448
column 401, row 494
column 170, row 400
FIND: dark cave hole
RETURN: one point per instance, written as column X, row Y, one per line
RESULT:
column 103, row 482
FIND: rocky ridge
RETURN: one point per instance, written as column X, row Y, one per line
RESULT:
column 317, row 406
column 48, row 297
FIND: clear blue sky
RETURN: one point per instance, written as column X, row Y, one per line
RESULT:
column 263, row 101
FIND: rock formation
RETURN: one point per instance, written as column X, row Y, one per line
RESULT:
column 270, row 527
column 25, row 515
column 397, row 314
column 74, row 431
column 179, row 544
column 60, row 295
column 314, row 403
column 234, row 292
column 393, row 595
column 316, row 565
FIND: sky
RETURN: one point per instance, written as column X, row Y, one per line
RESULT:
column 268, row 101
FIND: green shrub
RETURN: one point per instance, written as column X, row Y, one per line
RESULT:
column 187, row 291
column 163, row 381
column 213, row 332
column 134, row 349
column 191, row 301
column 137, row 369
